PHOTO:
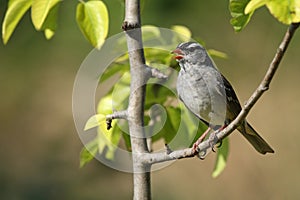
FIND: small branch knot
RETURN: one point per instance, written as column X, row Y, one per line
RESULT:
column 126, row 26
column 108, row 124
column 264, row 88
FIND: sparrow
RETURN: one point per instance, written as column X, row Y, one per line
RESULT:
column 209, row 95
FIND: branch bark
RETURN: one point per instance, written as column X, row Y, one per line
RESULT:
column 135, row 110
column 116, row 115
column 205, row 146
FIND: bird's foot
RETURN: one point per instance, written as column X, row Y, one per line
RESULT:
column 219, row 144
column 212, row 140
column 200, row 139
column 197, row 151
column 201, row 155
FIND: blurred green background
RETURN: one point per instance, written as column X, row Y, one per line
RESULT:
column 39, row 146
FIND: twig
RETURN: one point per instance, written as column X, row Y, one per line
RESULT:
column 264, row 85
column 116, row 115
column 155, row 73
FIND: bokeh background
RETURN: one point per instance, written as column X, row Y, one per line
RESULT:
column 39, row 146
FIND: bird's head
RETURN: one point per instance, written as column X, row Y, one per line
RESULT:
column 190, row 52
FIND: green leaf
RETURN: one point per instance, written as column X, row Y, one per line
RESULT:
column 108, row 140
column 88, row 152
column 150, row 32
column 105, row 105
column 121, row 92
column 15, row 11
column 286, row 11
column 239, row 18
column 172, row 123
column 40, row 10
column 92, row 18
column 50, row 23
column 182, row 124
column 182, row 34
column 126, row 138
column 95, row 121
column 117, row 99
column 182, row 30
column 49, row 33
column 216, row 53
column 157, row 94
column 253, row 5
column 116, row 68
column 155, row 122
column 194, row 127
column 221, row 158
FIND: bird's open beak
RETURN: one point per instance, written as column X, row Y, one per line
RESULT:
column 178, row 54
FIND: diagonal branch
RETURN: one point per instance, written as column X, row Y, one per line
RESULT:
column 264, row 86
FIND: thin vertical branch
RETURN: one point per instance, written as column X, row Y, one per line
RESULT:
column 135, row 110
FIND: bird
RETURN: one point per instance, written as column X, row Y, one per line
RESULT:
column 209, row 95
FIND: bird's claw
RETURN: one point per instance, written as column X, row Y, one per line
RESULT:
column 220, row 144
column 213, row 145
column 212, row 140
column 201, row 155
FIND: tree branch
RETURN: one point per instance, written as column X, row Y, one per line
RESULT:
column 155, row 73
column 264, row 86
column 135, row 110
column 116, row 115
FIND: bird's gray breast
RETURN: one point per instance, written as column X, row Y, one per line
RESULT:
column 202, row 91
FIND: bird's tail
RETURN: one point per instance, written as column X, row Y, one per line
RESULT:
column 255, row 139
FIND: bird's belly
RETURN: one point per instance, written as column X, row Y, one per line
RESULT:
column 200, row 97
